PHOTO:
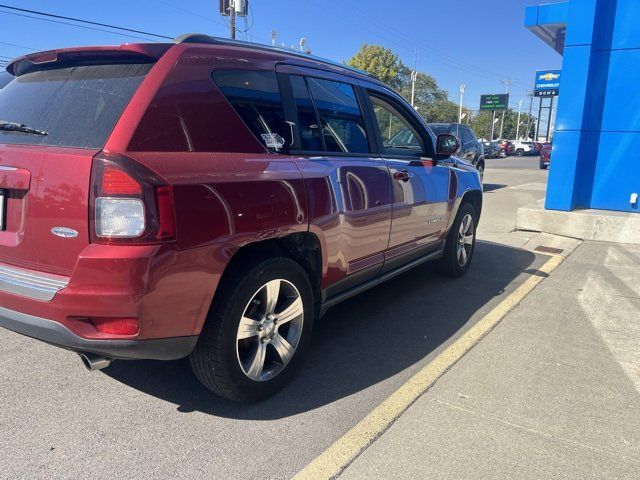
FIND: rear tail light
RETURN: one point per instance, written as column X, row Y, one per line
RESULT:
column 129, row 203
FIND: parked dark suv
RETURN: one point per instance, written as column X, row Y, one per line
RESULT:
column 211, row 199
column 471, row 149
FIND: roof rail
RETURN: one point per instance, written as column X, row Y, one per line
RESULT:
column 208, row 39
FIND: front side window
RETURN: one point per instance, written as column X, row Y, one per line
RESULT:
column 341, row 120
column 396, row 130
column 255, row 96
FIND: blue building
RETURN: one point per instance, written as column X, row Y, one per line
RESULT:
column 596, row 146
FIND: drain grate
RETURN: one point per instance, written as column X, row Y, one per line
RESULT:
column 543, row 249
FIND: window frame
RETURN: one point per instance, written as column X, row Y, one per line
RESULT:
column 286, row 150
column 390, row 98
column 291, row 111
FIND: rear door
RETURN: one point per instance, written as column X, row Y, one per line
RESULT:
column 420, row 185
column 348, row 187
column 45, row 176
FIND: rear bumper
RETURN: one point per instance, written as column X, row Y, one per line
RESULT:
column 57, row 334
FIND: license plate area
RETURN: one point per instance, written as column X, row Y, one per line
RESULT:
column 3, row 209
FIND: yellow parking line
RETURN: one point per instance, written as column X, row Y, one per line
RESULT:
column 345, row 450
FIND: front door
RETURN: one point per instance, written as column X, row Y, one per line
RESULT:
column 348, row 187
column 420, row 185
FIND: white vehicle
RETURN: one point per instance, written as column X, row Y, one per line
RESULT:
column 524, row 148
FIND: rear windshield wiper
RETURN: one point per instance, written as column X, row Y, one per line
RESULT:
column 19, row 127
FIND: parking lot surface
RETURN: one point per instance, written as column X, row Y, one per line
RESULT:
column 154, row 420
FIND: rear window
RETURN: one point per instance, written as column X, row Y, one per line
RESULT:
column 441, row 128
column 77, row 106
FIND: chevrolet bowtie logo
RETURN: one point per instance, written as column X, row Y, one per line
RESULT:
column 549, row 76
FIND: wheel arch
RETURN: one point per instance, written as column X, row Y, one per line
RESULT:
column 304, row 248
column 474, row 197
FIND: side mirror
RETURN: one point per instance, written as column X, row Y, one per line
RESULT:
column 447, row 145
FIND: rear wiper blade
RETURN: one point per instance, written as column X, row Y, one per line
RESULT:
column 19, row 127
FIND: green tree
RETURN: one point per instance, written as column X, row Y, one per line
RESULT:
column 380, row 62
column 481, row 124
column 431, row 102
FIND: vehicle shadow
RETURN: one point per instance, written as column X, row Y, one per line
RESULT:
column 490, row 187
column 358, row 343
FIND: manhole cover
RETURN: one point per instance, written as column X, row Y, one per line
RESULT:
column 543, row 249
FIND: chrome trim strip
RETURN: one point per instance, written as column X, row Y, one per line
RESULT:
column 30, row 284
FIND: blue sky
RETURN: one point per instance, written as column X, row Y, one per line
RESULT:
column 476, row 42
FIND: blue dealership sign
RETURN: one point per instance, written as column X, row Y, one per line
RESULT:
column 547, row 83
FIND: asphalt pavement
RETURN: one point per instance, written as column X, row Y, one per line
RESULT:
column 153, row 420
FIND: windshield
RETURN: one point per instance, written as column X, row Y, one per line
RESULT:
column 77, row 106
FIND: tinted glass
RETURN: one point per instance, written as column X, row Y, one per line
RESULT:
column 307, row 121
column 76, row 106
column 396, row 130
column 442, row 128
column 256, row 98
column 342, row 122
column 467, row 136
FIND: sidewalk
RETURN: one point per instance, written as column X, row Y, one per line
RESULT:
column 551, row 392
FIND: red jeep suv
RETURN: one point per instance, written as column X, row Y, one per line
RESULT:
column 210, row 199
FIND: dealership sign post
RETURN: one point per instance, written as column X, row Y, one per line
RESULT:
column 547, row 85
column 494, row 102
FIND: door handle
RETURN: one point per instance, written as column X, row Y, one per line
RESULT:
column 403, row 175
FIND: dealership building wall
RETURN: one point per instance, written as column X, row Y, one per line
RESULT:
column 596, row 146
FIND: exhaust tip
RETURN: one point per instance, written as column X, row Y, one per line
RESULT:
column 94, row 362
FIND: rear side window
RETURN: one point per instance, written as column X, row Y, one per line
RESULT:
column 75, row 106
column 255, row 96
column 308, row 125
column 343, row 127
column 467, row 136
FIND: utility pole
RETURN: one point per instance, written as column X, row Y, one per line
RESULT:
column 463, row 87
column 530, row 93
column 518, row 125
column 232, row 19
column 507, row 82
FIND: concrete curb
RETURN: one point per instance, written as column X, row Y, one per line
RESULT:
column 600, row 225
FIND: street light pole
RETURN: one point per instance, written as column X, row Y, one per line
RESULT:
column 518, row 125
column 507, row 82
column 414, row 77
column 462, row 89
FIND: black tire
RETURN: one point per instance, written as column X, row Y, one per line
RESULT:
column 543, row 167
column 215, row 360
column 520, row 152
column 449, row 264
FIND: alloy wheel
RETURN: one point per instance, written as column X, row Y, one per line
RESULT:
column 270, row 329
column 465, row 240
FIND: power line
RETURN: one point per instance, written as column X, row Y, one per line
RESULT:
column 429, row 50
column 20, row 46
column 88, row 22
column 85, row 27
